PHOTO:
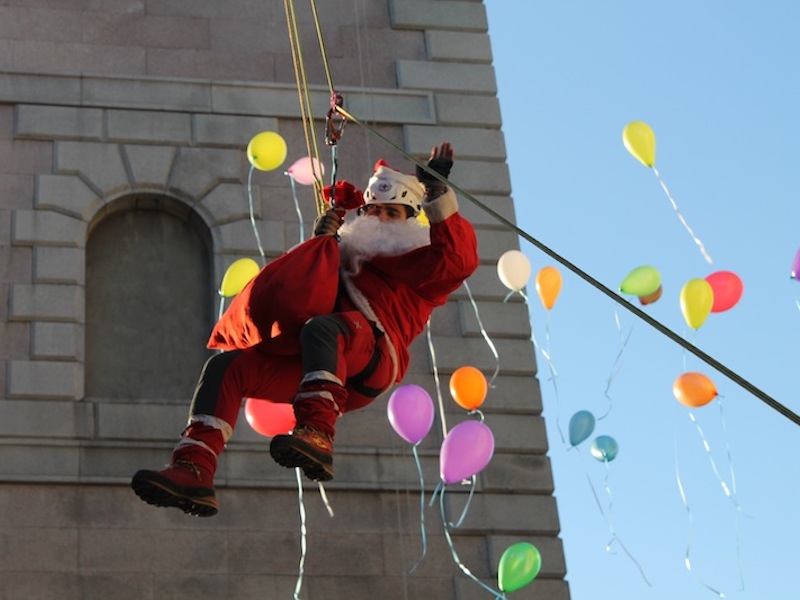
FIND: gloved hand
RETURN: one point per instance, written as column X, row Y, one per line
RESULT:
column 441, row 161
column 328, row 223
column 343, row 195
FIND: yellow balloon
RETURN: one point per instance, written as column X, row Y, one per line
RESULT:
column 423, row 218
column 237, row 276
column 697, row 298
column 640, row 141
column 266, row 151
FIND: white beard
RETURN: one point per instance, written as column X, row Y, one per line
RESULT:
column 365, row 237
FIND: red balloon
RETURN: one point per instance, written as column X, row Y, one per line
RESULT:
column 728, row 289
column 269, row 418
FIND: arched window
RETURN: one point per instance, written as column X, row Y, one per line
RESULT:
column 149, row 301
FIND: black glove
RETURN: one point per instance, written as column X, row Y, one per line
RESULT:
column 328, row 223
column 441, row 161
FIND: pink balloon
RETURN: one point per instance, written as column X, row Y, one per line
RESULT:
column 796, row 266
column 466, row 450
column 727, row 288
column 302, row 171
column 410, row 411
column 269, row 418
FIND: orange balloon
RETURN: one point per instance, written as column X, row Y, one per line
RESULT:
column 548, row 286
column 468, row 387
column 694, row 389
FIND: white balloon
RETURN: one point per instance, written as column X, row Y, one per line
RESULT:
column 514, row 270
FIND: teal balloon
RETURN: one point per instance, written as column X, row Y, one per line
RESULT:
column 519, row 565
column 642, row 281
column 604, row 448
column 581, row 426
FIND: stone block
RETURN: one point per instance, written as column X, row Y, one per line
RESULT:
column 51, row 549
column 58, row 122
column 277, row 100
column 101, row 165
column 146, row 92
column 140, row 421
column 159, row 127
column 57, row 419
column 519, row 433
column 510, row 319
column 66, row 193
column 481, row 177
column 197, row 170
column 446, row 77
column 39, row 462
column 443, row 14
column 25, row 156
column 227, row 202
column 238, row 237
column 47, row 228
column 516, row 356
column 54, row 380
column 392, row 106
column 493, row 244
column 17, row 190
column 517, row 473
column 149, row 165
column 53, row 264
column 462, row 110
column 56, row 341
column 468, row 143
column 474, row 208
column 19, row 87
column 523, row 514
column 229, row 131
column 46, row 302
column 458, row 46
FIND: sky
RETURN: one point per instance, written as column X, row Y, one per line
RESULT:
column 716, row 81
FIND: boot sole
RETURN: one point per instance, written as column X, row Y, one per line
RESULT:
column 290, row 456
column 157, row 490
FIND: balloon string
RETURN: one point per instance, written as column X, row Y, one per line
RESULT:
column 690, row 537
column 680, row 216
column 485, row 336
column 608, row 516
column 325, row 501
column 432, row 352
column 553, row 373
column 616, row 367
column 498, row 595
column 421, row 508
column 730, row 492
column 734, row 495
column 297, row 207
column 303, row 532
column 512, row 292
column 464, row 512
column 252, row 214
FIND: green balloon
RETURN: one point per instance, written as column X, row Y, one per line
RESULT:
column 642, row 281
column 518, row 566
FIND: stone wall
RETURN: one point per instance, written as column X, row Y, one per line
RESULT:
column 103, row 102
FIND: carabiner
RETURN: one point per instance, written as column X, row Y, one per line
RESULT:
column 335, row 120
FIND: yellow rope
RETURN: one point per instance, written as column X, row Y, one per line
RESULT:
column 304, row 100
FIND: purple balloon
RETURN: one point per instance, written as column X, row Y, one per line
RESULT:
column 411, row 412
column 796, row 266
column 466, row 450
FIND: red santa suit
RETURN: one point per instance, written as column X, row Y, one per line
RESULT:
column 379, row 310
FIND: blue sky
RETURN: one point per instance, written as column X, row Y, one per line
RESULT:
column 717, row 82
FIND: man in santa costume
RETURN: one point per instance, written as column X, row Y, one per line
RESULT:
column 393, row 272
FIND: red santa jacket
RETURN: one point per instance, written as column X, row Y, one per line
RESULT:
column 400, row 292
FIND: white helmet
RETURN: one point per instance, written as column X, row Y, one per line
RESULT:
column 387, row 186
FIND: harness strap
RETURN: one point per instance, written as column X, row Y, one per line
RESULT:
column 357, row 381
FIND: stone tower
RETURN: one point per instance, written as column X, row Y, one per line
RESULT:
column 124, row 197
